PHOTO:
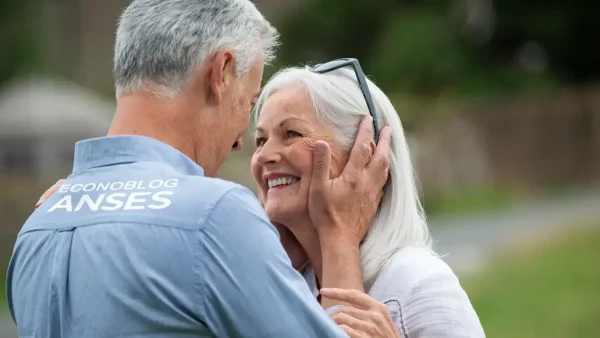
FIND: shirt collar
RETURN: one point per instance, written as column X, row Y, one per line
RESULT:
column 311, row 279
column 111, row 150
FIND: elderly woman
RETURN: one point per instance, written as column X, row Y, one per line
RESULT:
column 299, row 107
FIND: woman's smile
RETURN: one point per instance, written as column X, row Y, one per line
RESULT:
column 280, row 181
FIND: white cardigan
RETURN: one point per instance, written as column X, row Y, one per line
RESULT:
column 423, row 296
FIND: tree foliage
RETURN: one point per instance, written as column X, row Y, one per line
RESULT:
column 427, row 46
column 20, row 43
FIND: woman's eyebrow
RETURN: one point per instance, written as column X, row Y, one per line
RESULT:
column 281, row 124
column 291, row 119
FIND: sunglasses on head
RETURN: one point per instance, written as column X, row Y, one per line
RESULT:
column 362, row 83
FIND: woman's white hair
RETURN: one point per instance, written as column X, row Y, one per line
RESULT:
column 160, row 43
column 339, row 102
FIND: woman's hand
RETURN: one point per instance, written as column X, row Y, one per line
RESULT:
column 363, row 316
column 343, row 208
column 49, row 192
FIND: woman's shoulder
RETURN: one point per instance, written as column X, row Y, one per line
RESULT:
column 419, row 289
column 407, row 268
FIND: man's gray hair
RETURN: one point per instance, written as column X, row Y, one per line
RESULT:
column 160, row 43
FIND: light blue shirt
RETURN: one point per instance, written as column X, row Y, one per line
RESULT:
column 138, row 243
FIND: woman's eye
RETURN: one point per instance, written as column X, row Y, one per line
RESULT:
column 260, row 141
column 292, row 133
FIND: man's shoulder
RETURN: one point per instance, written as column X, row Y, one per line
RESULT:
column 211, row 192
column 219, row 199
column 140, row 196
column 231, row 205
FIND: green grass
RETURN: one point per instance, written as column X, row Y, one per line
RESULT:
column 550, row 290
column 472, row 201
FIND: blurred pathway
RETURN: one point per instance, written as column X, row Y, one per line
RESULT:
column 7, row 327
column 469, row 241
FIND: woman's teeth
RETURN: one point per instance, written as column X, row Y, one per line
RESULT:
column 281, row 181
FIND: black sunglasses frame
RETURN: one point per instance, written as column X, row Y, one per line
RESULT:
column 362, row 83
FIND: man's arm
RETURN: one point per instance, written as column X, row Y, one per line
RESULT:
column 249, row 286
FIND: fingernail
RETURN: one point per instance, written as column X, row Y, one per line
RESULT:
column 320, row 148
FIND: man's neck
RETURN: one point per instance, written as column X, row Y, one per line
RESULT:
column 147, row 115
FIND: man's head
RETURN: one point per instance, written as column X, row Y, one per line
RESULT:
column 194, row 67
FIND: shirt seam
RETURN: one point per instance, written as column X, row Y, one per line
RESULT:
column 401, row 314
column 105, row 223
column 201, row 286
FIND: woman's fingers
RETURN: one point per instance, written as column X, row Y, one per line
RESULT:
column 350, row 296
column 379, row 165
column 354, row 312
column 352, row 333
column 49, row 192
column 360, row 155
column 361, row 321
column 364, row 313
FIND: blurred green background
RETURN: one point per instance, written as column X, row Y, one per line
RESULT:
column 500, row 100
column 548, row 289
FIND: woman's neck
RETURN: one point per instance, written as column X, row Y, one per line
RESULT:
column 308, row 238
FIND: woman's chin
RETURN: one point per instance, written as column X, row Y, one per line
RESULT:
column 284, row 216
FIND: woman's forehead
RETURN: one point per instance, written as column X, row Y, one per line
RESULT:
column 286, row 105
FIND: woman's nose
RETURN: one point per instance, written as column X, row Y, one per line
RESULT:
column 269, row 154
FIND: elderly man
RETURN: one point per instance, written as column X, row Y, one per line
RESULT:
column 140, row 240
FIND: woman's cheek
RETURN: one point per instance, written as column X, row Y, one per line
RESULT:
column 260, row 195
column 255, row 169
column 304, row 149
column 305, row 144
column 301, row 154
column 256, row 174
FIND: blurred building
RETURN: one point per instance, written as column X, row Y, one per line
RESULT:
column 40, row 121
column 518, row 144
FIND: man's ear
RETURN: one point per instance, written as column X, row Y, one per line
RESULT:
column 222, row 73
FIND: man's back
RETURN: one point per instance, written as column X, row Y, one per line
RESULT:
column 137, row 243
